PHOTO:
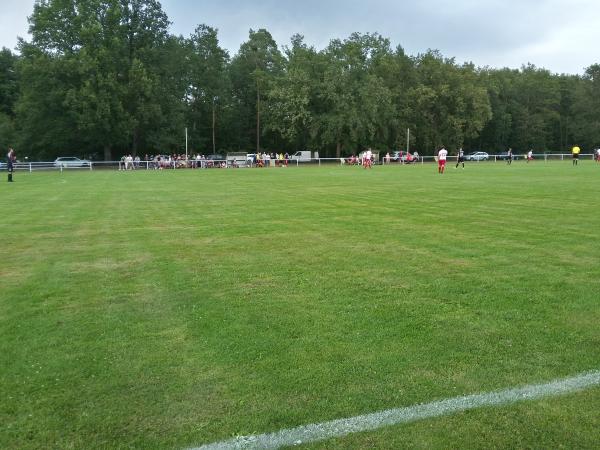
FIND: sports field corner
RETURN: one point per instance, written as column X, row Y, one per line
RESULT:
column 176, row 309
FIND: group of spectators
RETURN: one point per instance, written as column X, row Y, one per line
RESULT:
column 264, row 159
column 367, row 158
column 174, row 161
column 199, row 161
column 401, row 157
column 351, row 161
column 128, row 162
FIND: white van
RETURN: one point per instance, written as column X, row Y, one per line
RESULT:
column 301, row 156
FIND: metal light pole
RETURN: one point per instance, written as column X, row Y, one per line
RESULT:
column 186, row 144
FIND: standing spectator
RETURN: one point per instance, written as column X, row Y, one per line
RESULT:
column 11, row 159
column 460, row 158
column 387, row 158
column 575, row 151
column 598, row 155
column 509, row 156
column 367, row 161
column 442, row 155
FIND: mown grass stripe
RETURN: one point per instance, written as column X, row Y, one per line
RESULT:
column 342, row 427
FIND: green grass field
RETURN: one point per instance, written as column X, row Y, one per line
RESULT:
column 177, row 308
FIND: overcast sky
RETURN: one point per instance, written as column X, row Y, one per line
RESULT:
column 559, row 35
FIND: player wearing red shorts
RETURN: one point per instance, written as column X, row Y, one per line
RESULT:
column 442, row 155
column 368, row 159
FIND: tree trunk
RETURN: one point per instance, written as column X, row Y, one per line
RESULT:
column 135, row 143
column 107, row 153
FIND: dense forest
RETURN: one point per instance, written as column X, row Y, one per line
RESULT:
column 101, row 78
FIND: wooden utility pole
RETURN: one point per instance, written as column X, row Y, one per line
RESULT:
column 257, row 117
column 214, row 121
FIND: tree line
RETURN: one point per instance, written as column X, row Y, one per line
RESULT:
column 102, row 78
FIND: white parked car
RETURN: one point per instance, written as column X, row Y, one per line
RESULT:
column 477, row 156
column 71, row 161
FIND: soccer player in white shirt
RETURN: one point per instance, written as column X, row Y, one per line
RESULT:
column 368, row 158
column 530, row 155
column 442, row 154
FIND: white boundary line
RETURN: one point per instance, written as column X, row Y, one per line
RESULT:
column 342, row 427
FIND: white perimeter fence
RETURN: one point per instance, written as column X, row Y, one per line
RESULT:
column 229, row 163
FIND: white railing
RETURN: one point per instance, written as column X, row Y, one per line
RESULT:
column 223, row 163
column 33, row 165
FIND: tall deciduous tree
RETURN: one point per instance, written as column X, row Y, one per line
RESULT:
column 9, row 91
column 253, row 70
column 398, row 73
column 293, row 96
column 586, row 107
column 208, row 82
column 98, row 62
column 448, row 103
column 356, row 104
column 536, row 115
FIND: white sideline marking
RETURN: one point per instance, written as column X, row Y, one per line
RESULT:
column 342, row 427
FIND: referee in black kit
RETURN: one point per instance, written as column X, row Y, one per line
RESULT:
column 460, row 158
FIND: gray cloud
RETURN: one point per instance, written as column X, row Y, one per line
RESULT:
column 556, row 34
column 559, row 35
column 13, row 22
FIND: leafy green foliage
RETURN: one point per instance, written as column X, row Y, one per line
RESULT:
column 9, row 92
column 448, row 103
column 586, row 128
column 356, row 103
column 99, row 63
column 104, row 77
